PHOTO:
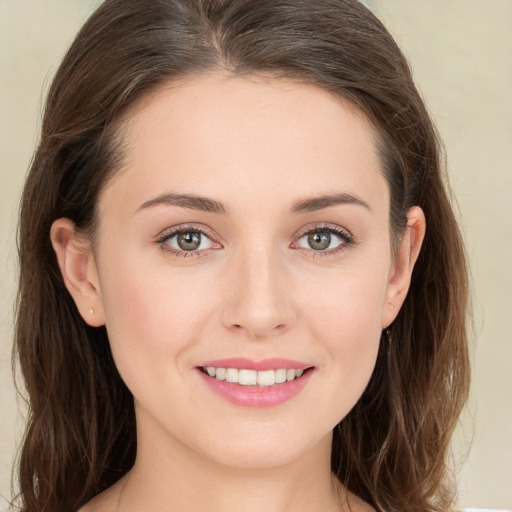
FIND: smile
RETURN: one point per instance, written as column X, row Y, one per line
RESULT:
column 262, row 378
column 249, row 383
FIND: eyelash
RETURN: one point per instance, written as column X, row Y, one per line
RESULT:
column 168, row 235
column 347, row 240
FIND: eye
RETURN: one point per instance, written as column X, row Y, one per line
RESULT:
column 187, row 241
column 328, row 239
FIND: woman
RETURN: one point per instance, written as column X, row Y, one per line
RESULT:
column 242, row 284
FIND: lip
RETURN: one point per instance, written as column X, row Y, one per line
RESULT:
column 242, row 363
column 255, row 396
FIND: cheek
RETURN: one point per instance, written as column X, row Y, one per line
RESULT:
column 346, row 316
column 349, row 304
column 152, row 315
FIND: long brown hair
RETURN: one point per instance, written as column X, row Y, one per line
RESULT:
column 392, row 447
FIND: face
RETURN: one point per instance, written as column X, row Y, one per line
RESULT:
column 247, row 236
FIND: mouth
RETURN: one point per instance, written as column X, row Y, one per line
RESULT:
column 254, row 378
column 255, row 383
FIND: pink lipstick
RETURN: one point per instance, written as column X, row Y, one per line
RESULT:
column 250, row 383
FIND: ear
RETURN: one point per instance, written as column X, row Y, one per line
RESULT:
column 401, row 270
column 78, row 268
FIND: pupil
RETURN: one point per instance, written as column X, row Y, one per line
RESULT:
column 320, row 240
column 189, row 240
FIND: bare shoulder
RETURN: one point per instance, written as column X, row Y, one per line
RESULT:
column 106, row 501
column 365, row 507
column 356, row 504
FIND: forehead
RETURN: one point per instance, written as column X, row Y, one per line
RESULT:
column 265, row 138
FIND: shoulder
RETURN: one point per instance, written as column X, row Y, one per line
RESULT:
column 107, row 501
column 356, row 504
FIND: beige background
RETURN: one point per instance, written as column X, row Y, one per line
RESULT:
column 461, row 53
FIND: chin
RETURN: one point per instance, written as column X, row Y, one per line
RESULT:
column 269, row 448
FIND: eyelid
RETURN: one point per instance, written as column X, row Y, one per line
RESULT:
column 347, row 239
column 324, row 226
column 171, row 232
column 344, row 234
column 180, row 228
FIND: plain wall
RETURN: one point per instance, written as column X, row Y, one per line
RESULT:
column 461, row 54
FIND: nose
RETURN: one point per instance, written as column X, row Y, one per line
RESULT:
column 259, row 295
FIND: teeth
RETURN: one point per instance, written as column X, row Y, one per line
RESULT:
column 253, row 377
column 267, row 378
column 280, row 376
column 231, row 375
column 247, row 377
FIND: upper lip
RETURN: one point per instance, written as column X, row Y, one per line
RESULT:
column 243, row 363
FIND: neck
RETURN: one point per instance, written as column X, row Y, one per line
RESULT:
column 177, row 478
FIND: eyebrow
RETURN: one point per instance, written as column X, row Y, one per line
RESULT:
column 321, row 202
column 205, row 204
column 186, row 201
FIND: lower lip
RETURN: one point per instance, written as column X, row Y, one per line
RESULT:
column 255, row 396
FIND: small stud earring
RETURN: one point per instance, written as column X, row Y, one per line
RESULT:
column 90, row 311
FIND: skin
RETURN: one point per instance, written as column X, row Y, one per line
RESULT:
column 255, row 289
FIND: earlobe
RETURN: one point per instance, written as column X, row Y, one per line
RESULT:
column 401, row 271
column 78, row 269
